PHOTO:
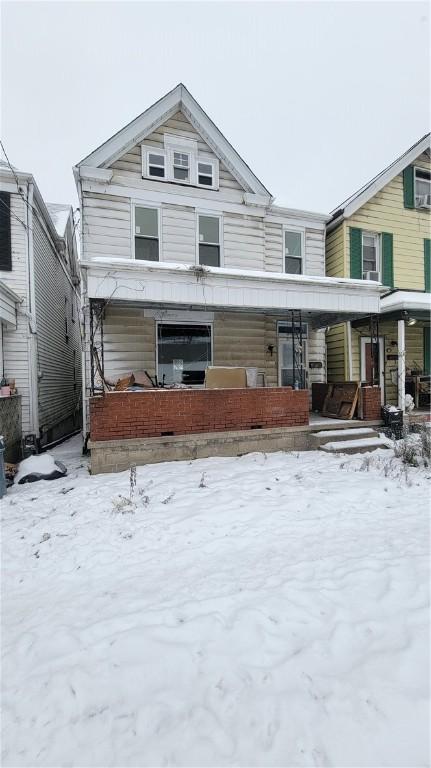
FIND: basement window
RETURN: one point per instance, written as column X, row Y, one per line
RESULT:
column 184, row 351
column 146, row 234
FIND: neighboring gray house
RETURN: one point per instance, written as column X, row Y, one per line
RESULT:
column 39, row 308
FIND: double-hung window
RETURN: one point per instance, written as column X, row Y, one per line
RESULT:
column 422, row 188
column 293, row 256
column 209, row 240
column 205, row 174
column 146, row 234
column 370, row 256
column 181, row 166
column 156, row 164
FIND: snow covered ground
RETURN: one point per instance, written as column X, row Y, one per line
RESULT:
column 257, row 611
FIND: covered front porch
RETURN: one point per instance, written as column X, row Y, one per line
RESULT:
column 174, row 324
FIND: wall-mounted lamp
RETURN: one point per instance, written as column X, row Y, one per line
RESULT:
column 270, row 349
column 411, row 321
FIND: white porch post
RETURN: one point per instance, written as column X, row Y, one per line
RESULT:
column 349, row 351
column 401, row 365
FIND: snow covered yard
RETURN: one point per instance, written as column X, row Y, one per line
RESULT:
column 259, row 611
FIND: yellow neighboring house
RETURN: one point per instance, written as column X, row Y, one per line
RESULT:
column 382, row 233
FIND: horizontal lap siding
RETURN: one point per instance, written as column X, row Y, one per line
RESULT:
column 385, row 212
column 128, row 341
column 244, row 242
column 239, row 339
column 179, row 234
column 336, row 262
column 15, row 342
column 336, row 353
column 315, row 252
column 130, row 165
column 106, row 226
column 273, row 247
column 59, row 393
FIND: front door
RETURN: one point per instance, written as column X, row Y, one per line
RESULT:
column 372, row 363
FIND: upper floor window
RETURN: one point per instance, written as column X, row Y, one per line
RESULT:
column 209, row 240
column 156, row 165
column 422, row 188
column 370, row 256
column 181, row 166
column 293, row 252
column 147, row 234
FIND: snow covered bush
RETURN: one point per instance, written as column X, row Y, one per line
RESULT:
column 415, row 447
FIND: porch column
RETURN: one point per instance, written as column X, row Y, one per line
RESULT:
column 401, row 365
column 349, row 351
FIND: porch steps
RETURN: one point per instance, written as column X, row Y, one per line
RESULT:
column 359, row 440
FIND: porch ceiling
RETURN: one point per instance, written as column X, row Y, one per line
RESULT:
column 322, row 300
column 405, row 305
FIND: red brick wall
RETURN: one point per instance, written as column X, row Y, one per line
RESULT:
column 122, row 415
column 371, row 403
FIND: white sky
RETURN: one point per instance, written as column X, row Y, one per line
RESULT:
column 316, row 96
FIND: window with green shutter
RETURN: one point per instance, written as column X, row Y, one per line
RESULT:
column 355, row 253
column 387, row 274
column 409, row 186
column 427, row 264
column 5, row 233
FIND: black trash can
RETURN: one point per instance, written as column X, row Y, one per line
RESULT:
column 393, row 421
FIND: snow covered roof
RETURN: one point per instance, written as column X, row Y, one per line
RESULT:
column 60, row 215
column 365, row 193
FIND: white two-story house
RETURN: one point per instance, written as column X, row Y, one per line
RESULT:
column 40, row 339
column 188, row 263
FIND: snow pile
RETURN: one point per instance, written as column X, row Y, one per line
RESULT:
column 42, row 464
column 258, row 611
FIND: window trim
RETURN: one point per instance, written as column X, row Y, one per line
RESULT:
column 209, row 323
column 178, row 144
column 160, row 152
column 172, row 165
column 424, row 170
column 142, row 204
column 283, row 336
column 301, row 231
column 214, row 215
column 378, row 269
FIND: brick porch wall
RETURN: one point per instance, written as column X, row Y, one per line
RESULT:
column 158, row 412
column 371, row 403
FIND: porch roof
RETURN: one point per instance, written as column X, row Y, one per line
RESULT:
column 8, row 304
column 406, row 305
column 326, row 300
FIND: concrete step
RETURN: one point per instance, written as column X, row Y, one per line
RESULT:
column 361, row 445
column 334, row 435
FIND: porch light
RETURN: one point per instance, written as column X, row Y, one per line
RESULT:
column 411, row 321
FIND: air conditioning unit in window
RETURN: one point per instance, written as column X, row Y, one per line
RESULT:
column 370, row 276
column 423, row 201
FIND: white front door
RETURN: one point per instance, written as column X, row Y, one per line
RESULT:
column 368, row 360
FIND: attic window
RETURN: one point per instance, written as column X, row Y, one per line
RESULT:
column 206, row 174
column 156, row 165
column 181, row 166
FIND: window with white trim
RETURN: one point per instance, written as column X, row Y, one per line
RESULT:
column 181, row 166
column 146, row 233
column 422, row 188
column 205, row 174
column 156, row 164
column 370, row 256
column 209, row 240
column 293, row 256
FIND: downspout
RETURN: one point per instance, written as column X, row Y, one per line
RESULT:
column 83, row 297
column 32, row 338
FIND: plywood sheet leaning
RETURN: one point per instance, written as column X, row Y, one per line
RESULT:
column 341, row 400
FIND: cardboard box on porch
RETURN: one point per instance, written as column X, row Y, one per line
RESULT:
column 218, row 377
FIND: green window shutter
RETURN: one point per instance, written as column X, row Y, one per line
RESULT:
column 355, row 253
column 427, row 264
column 427, row 350
column 409, row 187
column 388, row 259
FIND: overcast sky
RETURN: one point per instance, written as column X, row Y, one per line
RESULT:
column 317, row 97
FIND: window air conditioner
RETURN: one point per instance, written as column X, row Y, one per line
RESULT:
column 423, row 201
column 370, row 276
